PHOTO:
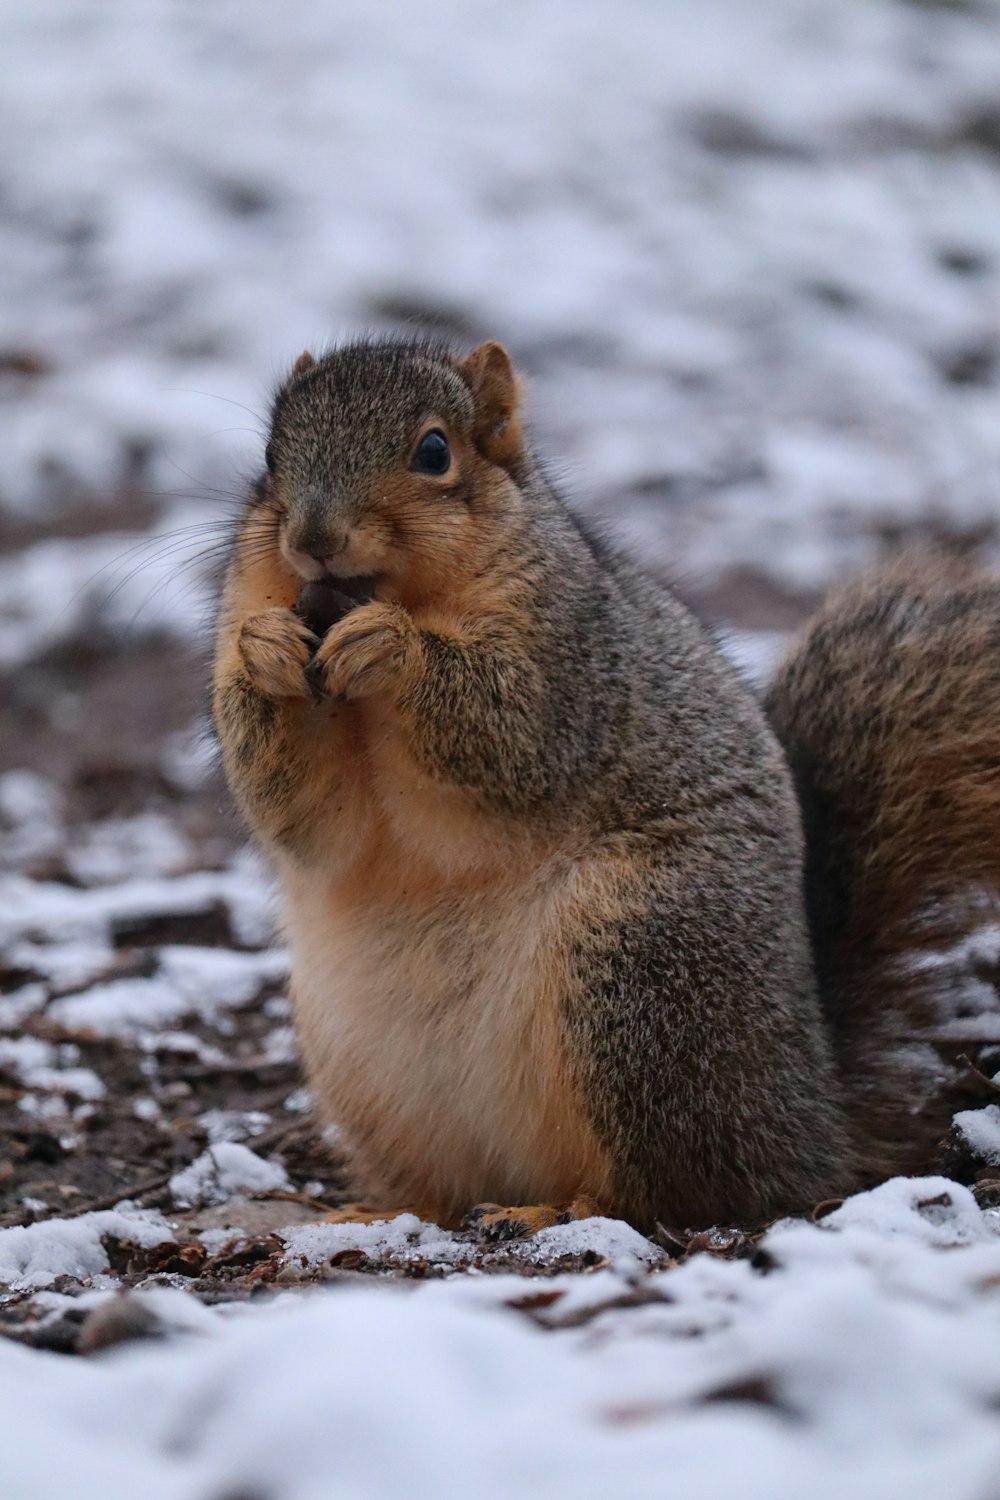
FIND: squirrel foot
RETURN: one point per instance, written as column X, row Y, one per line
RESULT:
column 497, row 1224
column 363, row 1213
column 276, row 649
column 364, row 653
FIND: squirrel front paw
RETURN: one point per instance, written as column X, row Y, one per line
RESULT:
column 276, row 649
column 366, row 653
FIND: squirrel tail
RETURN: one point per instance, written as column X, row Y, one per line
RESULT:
column 889, row 712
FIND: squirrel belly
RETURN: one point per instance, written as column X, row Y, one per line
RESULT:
column 889, row 711
column 540, row 852
column 431, row 1027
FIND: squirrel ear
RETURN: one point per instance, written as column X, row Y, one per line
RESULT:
column 497, row 430
column 304, row 362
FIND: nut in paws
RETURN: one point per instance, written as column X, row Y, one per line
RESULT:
column 366, row 653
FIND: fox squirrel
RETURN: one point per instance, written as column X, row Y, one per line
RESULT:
column 540, row 852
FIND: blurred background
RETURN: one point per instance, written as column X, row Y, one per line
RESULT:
column 747, row 254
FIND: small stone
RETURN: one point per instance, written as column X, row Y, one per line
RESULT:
column 120, row 1320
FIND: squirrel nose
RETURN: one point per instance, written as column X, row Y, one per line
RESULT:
column 319, row 545
column 333, row 547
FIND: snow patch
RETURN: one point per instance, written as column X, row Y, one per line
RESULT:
column 407, row 1238
column 41, row 1065
column 191, row 981
column 981, row 1128
column 609, row 1239
column 44, row 910
column 124, row 848
column 933, row 1210
column 233, row 1124
column 36, row 1255
column 404, row 1236
column 222, row 1171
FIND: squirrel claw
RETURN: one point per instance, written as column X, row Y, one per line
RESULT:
column 314, row 681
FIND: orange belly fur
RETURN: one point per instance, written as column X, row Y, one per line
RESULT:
column 429, row 991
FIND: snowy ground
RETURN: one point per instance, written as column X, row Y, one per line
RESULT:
column 749, row 256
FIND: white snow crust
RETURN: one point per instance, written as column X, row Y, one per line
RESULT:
column 191, row 981
column 861, row 1358
column 33, row 910
column 406, row 1239
column 36, row 1255
column 981, row 1128
column 223, row 1170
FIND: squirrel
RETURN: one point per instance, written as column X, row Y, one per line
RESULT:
column 540, row 850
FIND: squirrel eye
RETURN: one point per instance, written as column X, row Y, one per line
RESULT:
column 432, row 456
column 269, row 457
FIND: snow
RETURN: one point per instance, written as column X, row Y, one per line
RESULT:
column 981, row 1128
column 406, row 1239
column 38, row 1254
column 34, row 910
column 299, row 1101
column 119, row 848
column 608, row 1238
column 755, row 653
column 957, row 978
column 934, row 1210
column 813, row 1372
column 224, row 1169
column 403, row 1237
column 190, row 981
column 233, row 1124
column 54, row 589
column 30, row 816
column 40, row 1065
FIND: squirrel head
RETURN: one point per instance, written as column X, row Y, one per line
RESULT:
column 394, row 460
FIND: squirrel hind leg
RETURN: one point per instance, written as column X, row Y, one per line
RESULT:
column 496, row 1223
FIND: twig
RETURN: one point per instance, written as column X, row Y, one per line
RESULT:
column 93, row 1205
column 978, row 1073
column 286, row 1195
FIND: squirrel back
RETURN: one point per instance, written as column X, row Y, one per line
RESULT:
column 888, row 709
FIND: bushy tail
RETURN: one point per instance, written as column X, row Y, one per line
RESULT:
column 889, row 712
